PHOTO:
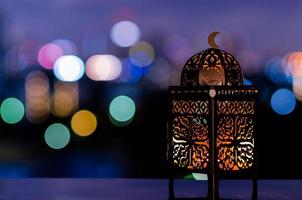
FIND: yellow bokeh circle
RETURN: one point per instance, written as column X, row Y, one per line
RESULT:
column 83, row 123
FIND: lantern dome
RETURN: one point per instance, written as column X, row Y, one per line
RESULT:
column 212, row 67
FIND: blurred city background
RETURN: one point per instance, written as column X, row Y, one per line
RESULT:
column 83, row 83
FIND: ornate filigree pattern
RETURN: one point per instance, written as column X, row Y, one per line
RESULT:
column 234, row 127
column 235, row 107
column 211, row 67
column 235, row 142
column 190, row 107
column 211, row 71
column 189, row 75
column 233, row 72
column 190, row 142
column 250, row 91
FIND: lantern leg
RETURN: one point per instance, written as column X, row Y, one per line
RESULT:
column 171, row 184
column 171, row 187
column 255, row 171
column 255, row 189
column 255, row 182
column 213, row 187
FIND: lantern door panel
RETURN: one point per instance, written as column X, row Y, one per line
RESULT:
column 190, row 127
column 189, row 133
column 235, row 128
column 235, row 140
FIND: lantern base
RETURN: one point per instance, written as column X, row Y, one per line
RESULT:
column 212, row 195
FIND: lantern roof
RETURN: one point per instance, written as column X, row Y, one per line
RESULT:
column 212, row 67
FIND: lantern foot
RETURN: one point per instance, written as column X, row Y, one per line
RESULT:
column 213, row 188
column 171, row 188
column 255, row 189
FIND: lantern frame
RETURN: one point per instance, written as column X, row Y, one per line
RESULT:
column 212, row 120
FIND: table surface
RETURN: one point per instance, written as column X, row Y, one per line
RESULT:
column 142, row 189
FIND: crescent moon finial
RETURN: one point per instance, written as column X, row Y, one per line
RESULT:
column 211, row 40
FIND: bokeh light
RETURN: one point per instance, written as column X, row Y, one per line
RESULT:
column 57, row 136
column 65, row 99
column 103, row 67
column 48, row 54
column 274, row 71
column 297, row 88
column 37, row 96
column 141, row 54
column 292, row 64
column 125, row 33
column 67, row 46
column 83, row 123
column 121, row 109
column 12, row 110
column 130, row 73
column 283, row 101
column 246, row 82
column 69, row 68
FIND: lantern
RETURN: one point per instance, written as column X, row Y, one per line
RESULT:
column 211, row 127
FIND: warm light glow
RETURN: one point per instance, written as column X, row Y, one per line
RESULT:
column 103, row 67
column 83, row 123
column 141, row 54
column 125, row 33
column 48, row 54
column 292, row 64
column 69, row 68
column 283, row 101
column 297, row 88
column 12, row 110
column 37, row 96
column 65, row 99
column 122, row 109
column 57, row 136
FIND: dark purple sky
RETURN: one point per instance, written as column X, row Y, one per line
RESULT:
column 260, row 26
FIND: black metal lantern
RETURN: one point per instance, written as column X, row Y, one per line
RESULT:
column 212, row 120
